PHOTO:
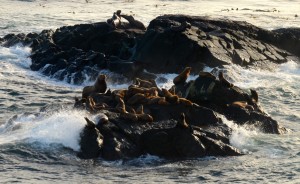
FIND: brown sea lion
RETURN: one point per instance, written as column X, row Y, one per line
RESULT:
column 138, row 98
column 185, row 102
column 90, row 104
column 172, row 99
column 130, row 109
column 223, row 81
column 145, row 117
column 172, row 90
column 182, row 122
column 145, row 91
column 120, row 107
column 242, row 104
column 158, row 100
column 115, row 20
column 99, row 87
column 129, row 116
column 145, row 83
column 183, row 76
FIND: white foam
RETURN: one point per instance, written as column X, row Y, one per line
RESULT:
column 62, row 127
column 241, row 137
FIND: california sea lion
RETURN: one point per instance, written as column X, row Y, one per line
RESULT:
column 182, row 77
column 223, row 81
column 99, row 87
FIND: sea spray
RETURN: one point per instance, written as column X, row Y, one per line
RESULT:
column 62, row 127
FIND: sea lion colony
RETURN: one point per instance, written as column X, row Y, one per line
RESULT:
column 130, row 102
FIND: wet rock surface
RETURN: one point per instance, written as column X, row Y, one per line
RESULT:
column 170, row 43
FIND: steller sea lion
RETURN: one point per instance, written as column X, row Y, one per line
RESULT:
column 172, row 99
column 145, row 117
column 129, row 116
column 241, row 104
column 185, row 102
column 183, row 76
column 138, row 98
column 223, row 81
column 120, row 107
column 145, row 83
column 99, row 87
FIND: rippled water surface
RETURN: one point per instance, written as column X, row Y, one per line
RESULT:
column 40, row 147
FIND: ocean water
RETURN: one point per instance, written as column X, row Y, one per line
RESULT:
column 40, row 147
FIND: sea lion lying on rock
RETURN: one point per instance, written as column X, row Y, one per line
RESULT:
column 225, row 98
column 100, row 86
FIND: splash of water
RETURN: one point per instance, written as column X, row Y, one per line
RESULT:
column 62, row 127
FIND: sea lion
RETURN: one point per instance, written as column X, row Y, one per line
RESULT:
column 134, row 23
column 120, row 107
column 242, row 104
column 90, row 104
column 158, row 100
column 223, row 81
column 115, row 20
column 102, row 119
column 254, row 95
column 129, row 116
column 182, row 77
column 153, row 91
column 185, row 102
column 172, row 99
column 99, row 87
column 182, row 122
column 145, row 117
column 138, row 98
column 145, row 83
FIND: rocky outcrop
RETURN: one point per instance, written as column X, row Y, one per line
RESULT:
column 170, row 43
column 145, row 119
column 175, row 41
